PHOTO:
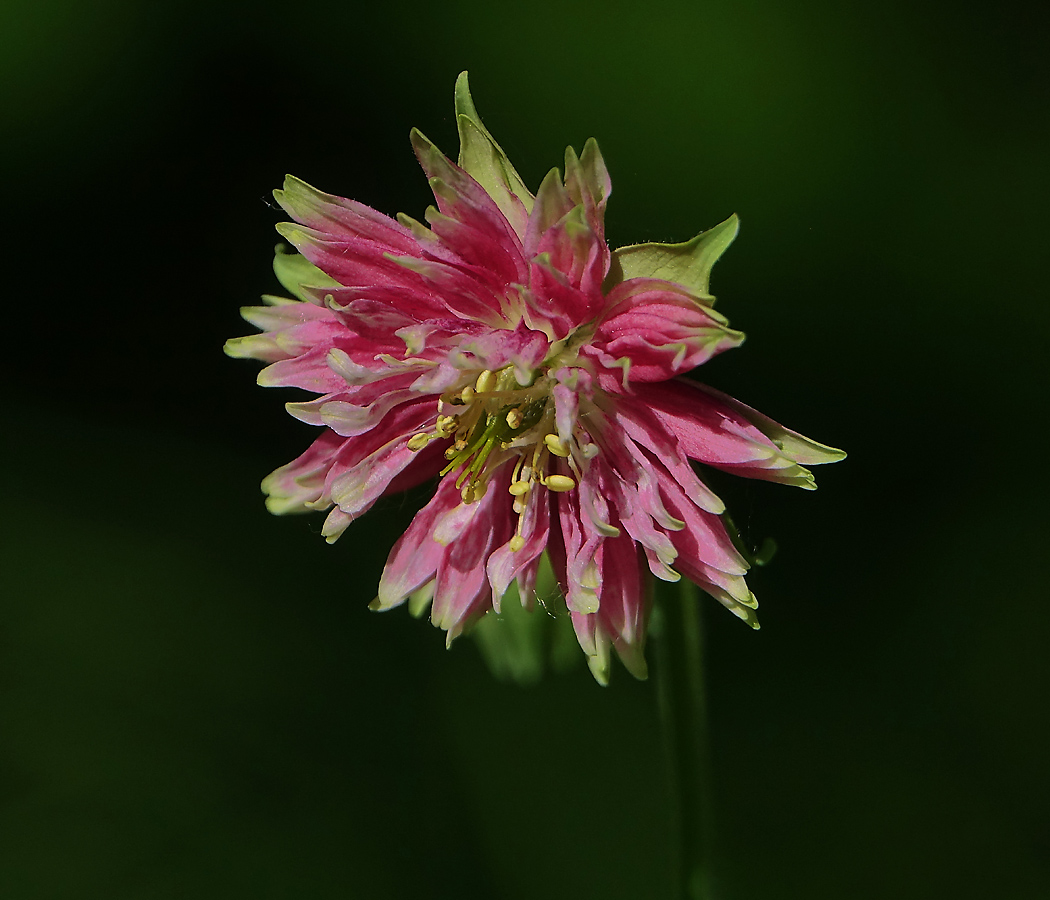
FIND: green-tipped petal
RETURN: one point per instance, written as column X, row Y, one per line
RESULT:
column 484, row 160
column 294, row 271
column 688, row 264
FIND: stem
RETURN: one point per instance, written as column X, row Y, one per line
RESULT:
column 683, row 711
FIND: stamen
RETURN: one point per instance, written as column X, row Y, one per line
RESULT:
column 556, row 445
column 419, row 441
column 515, row 418
column 519, row 488
column 485, row 383
column 559, row 483
column 467, row 394
column 446, row 425
column 516, row 543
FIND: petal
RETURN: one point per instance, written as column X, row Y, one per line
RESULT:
column 414, row 560
column 647, row 430
column 579, row 571
column 461, row 198
column 724, row 433
column 656, row 331
column 341, row 218
column 296, row 485
column 622, row 618
column 504, row 565
column 462, row 593
column 484, row 160
column 799, row 448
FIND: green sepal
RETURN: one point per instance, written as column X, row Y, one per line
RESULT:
column 294, row 270
column 521, row 643
column 481, row 157
column 688, row 264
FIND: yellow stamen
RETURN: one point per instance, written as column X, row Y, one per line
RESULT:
column 518, row 488
column 559, row 483
column 514, row 418
column 556, row 445
column 516, row 543
column 467, row 394
column 485, row 383
column 418, row 441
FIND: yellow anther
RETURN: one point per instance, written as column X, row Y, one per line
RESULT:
column 556, row 445
column 418, row 441
column 446, row 425
column 451, row 453
column 514, row 418
column 468, row 492
column 518, row 488
column 485, row 383
column 559, row 483
column 516, row 543
column 467, row 394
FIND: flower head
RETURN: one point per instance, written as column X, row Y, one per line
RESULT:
column 503, row 347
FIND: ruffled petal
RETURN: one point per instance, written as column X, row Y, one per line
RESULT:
column 724, row 433
column 507, row 564
column 414, row 560
column 622, row 618
column 654, row 332
column 462, row 593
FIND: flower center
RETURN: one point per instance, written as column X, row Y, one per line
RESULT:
column 496, row 420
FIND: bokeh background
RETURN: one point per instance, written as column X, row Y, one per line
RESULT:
column 194, row 700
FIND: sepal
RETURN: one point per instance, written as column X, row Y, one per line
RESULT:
column 688, row 264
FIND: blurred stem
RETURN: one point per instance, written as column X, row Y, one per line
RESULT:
column 683, row 712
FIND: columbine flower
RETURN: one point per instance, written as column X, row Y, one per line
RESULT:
column 507, row 350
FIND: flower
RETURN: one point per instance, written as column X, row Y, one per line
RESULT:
column 506, row 349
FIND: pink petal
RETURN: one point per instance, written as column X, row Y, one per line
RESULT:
column 296, row 485
column 504, row 565
column 462, row 593
column 416, row 555
column 341, row 217
column 660, row 329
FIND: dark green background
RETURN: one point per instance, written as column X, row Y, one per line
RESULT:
column 195, row 701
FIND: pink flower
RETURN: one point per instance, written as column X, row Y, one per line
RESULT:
column 506, row 349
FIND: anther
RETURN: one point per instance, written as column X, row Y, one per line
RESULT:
column 467, row 394
column 516, row 543
column 515, row 418
column 446, row 425
column 418, row 441
column 559, row 483
column 556, row 445
column 518, row 488
column 485, row 383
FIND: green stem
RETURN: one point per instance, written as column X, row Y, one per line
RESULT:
column 683, row 711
